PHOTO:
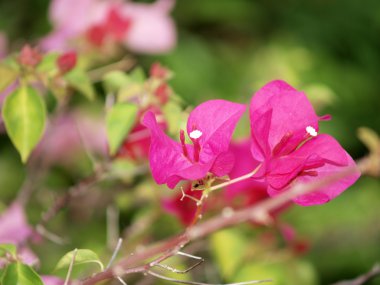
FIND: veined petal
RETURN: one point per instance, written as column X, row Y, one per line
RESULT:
column 292, row 113
column 216, row 119
column 325, row 194
column 165, row 155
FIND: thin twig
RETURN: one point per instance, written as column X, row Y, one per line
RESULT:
column 116, row 251
column 236, row 180
column 256, row 212
column 123, row 64
column 70, row 267
column 362, row 279
column 201, row 283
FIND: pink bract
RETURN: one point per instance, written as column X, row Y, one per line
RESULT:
column 284, row 130
column 209, row 127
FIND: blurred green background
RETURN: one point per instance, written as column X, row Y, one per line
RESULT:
column 228, row 49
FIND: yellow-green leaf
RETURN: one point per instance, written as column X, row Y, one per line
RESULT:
column 20, row 274
column 8, row 248
column 24, row 117
column 83, row 256
column 7, row 76
column 119, row 121
column 228, row 247
column 79, row 80
column 115, row 80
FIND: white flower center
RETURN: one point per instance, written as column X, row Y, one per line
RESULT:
column 311, row 131
column 196, row 134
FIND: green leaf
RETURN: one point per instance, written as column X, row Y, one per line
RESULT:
column 80, row 81
column 138, row 75
column 228, row 247
column 24, row 117
column 20, row 274
column 48, row 63
column 115, row 80
column 7, row 77
column 83, row 256
column 174, row 116
column 8, row 248
column 119, row 121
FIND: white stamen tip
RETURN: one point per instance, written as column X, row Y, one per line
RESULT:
column 196, row 134
column 311, row 131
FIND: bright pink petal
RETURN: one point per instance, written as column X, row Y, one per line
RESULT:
column 317, row 158
column 291, row 114
column 216, row 119
column 251, row 188
column 328, row 193
column 167, row 161
column 14, row 227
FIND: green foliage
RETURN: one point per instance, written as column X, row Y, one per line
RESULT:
column 228, row 247
column 20, row 274
column 82, row 256
column 7, row 75
column 120, row 119
column 24, row 116
column 8, row 248
column 79, row 80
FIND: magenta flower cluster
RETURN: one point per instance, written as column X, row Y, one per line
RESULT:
column 284, row 141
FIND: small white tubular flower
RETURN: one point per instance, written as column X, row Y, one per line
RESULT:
column 311, row 131
column 196, row 134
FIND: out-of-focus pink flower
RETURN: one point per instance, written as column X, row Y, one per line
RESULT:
column 67, row 61
column 29, row 56
column 51, row 280
column 143, row 28
column 152, row 29
column 15, row 229
column 209, row 127
column 71, row 135
column 184, row 208
column 284, row 130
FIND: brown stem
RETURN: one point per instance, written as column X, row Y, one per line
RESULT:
column 258, row 212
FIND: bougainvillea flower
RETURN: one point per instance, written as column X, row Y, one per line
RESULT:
column 248, row 191
column 52, row 280
column 142, row 28
column 209, row 127
column 285, row 139
column 152, row 29
column 14, row 227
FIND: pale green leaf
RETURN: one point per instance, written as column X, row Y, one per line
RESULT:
column 173, row 116
column 119, row 121
column 79, row 80
column 83, row 256
column 24, row 117
column 7, row 77
column 115, row 80
column 8, row 248
column 228, row 247
column 20, row 274
column 138, row 75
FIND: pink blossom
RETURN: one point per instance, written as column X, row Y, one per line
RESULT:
column 209, row 127
column 248, row 191
column 152, row 29
column 52, row 280
column 15, row 229
column 285, row 139
column 143, row 28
